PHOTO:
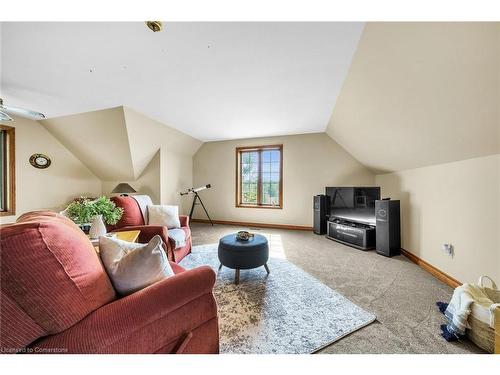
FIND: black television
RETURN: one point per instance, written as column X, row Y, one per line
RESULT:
column 354, row 204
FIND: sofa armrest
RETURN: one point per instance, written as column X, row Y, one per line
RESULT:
column 153, row 318
column 184, row 219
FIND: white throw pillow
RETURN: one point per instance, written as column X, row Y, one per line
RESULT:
column 132, row 266
column 164, row 215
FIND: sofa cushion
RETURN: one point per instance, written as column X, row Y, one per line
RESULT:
column 132, row 215
column 187, row 237
column 177, row 237
column 132, row 266
column 51, row 277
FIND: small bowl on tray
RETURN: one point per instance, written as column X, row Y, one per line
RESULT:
column 243, row 235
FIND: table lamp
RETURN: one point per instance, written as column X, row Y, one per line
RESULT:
column 123, row 189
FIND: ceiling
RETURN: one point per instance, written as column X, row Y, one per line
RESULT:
column 213, row 81
column 136, row 141
column 419, row 94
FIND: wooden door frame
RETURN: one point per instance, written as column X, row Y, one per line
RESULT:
column 10, row 176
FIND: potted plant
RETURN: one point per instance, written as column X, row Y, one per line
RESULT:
column 91, row 214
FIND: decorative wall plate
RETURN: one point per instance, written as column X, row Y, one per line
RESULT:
column 40, row 161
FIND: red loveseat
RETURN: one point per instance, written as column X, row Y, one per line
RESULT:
column 132, row 220
column 57, row 298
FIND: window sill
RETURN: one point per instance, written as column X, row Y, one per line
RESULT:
column 258, row 206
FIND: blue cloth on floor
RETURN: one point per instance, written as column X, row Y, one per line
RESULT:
column 448, row 333
column 442, row 306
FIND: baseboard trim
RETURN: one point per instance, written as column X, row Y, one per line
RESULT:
column 258, row 225
column 438, row 274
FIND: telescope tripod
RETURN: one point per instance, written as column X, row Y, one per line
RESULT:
column 197, row 197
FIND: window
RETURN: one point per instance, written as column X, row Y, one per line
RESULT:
column 259, row 181
column 7, row 174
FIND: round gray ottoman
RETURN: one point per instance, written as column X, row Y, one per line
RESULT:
column 243, row 255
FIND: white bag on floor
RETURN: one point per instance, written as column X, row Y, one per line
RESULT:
column 482, row 318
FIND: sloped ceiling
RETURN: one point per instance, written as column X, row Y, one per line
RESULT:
column 419, row 94
column 99, row 139
column 146, row 136
column 117, row 144
column 212, row 81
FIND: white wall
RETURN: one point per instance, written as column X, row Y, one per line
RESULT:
column 457, row 203
column 176, row 176
column 148, row 183
column 51, row 188
column 422, row 93
column 176, row 155
column 310, row 162
column 164, row 178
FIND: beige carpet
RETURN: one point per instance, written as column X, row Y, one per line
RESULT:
column 398, row 292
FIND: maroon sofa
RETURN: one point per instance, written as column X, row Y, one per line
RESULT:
column 132, row 220
column 57, row 298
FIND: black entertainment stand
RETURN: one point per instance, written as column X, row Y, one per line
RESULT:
column 355, row 234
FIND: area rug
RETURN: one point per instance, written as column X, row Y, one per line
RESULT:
column 285, row 312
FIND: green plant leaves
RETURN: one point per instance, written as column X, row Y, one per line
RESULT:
column 83, row 210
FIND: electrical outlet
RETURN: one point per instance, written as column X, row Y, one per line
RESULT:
column 448, row 249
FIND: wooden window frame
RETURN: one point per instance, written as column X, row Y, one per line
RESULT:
column 10, row 176
column 238, row 188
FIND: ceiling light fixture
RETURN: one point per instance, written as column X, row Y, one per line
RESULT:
column 155, row 26
column 6, row 110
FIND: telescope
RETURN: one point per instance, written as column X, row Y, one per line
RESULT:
column 197, row 198
column 195, row 190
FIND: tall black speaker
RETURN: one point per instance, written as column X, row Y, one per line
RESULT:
column 388, row 232
column 321, row 208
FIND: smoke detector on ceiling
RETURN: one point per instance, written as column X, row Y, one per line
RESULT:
column 155, row 26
